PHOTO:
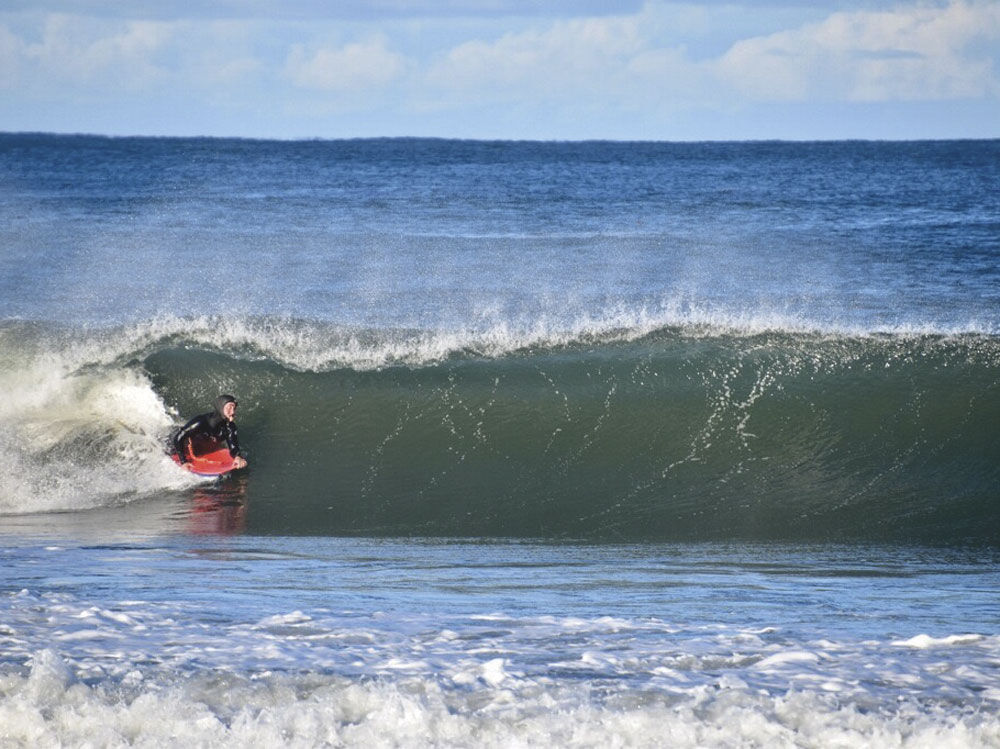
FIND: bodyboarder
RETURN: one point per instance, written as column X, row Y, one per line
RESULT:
column 218, row 425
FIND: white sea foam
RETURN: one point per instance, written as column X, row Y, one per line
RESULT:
column 305, row 642
column 789, row 658
column 77, row 435
column 923, row 642
column 49, row 705
column 154, row 674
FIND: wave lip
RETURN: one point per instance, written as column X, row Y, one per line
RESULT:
column 318, row 346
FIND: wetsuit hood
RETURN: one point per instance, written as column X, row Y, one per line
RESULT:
column 221, row 402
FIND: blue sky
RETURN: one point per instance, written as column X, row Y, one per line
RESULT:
column 656, row 70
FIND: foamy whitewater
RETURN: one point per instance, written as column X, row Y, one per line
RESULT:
column 590, row 444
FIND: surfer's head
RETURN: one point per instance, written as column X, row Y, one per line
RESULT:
column 225, row 406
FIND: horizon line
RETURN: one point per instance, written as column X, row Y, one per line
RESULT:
column 444, row 138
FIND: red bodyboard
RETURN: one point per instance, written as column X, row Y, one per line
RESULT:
column 207, row 457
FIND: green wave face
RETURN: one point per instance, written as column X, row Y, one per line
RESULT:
column 675, row 435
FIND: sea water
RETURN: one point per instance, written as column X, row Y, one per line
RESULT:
column 576, row 444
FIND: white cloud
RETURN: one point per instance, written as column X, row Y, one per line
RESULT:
column 65, row 54
column 567, row 57
column 493, row 67
column 230, row 71
column 81, row 51
column 566, row 47
column 353, row 67
column 907, row 54
column 11, row 52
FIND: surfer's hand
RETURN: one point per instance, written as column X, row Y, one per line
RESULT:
column 239, row 463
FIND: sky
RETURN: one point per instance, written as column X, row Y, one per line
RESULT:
column 504, row 69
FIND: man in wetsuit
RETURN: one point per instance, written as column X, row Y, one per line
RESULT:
column 218, row 425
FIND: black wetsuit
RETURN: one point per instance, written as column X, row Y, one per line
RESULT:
column 213, row 425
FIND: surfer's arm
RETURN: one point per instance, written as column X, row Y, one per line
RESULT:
column 233, row 443
column 183, row 434
column 232, row 440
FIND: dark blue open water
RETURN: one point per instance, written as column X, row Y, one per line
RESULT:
column 550, row 444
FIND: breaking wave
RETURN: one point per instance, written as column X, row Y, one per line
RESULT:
column 623, row 427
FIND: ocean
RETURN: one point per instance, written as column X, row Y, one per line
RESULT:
column 550, row 444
